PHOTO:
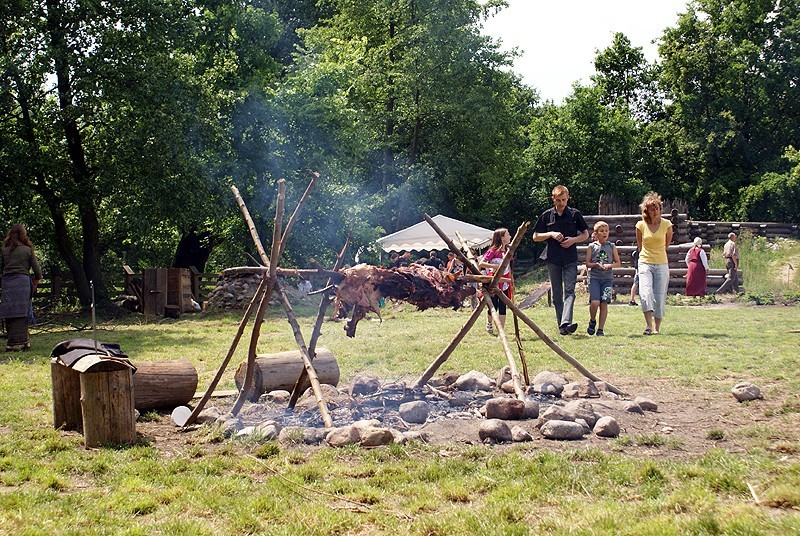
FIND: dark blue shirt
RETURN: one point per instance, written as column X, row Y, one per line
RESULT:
column 569, row 224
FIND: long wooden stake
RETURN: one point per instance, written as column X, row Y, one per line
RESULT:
column 549, row 342
column 324, row 302
column 293, row 217
column 309, row 367
column 428, row 374
column 247, row 385
column 272, row 262
column 250, row 226
column 240, row 330
column 472, row 267
column 506, row 348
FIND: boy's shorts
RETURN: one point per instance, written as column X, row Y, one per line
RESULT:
column 600, row 290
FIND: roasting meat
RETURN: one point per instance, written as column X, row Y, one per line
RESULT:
column 424, row 286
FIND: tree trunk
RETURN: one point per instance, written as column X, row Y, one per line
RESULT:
column 81, row 174
column 53, row 205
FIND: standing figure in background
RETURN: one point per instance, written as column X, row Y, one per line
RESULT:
column 731, row 254
column 435, row 261
column 653, row 236
column 454, row 265
column 562, row 227
column 489, row 261
column 601, row 258
column 697, row 264
column 17, row 260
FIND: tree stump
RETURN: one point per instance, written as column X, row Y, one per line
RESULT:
column 163, row 384
column 106, row 401
column 66, row 396
column 282, row 370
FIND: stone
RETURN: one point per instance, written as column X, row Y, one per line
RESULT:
column 313, row 436
column 269, row 430
column 473, row 381
column 503, row 376
column 366, row 423
column 531, row 409
column 246, row 431
column 447, row 378
column 362, row 384
column 375, row 437
column 585, row 425
column 581, row 409
column 415, row 412
column 495, row 430
column 632, row 407
column 416, row 435
column 606, row 427
column 520, row 434
column 229, row 425
column 507, row 387
column 745, row 391
column 556, row 429
column 505, row 408
column 332, row 397
column 554, row 413
column 459, row 400
column 583, row 388
column 208, row 415
column 278, row 396
column 346, row 435
column 548, row 383
column 646, row 404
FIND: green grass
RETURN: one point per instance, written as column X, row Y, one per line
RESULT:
column 203, row 484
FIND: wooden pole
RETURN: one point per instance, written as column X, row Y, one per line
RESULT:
column 428, row 374
column 549, row 342
column 472, row 267
column 293, row 217
column 506, row 348
column 247, row 386
column 324, row 302
column 309, row 367
column 240, row 330
column 250, row 225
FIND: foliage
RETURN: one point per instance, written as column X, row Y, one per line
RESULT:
column 776, row 197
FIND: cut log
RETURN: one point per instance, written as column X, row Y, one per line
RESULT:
column 107, row 402
column 281, row 371
column 164, row 384
column 66, row 396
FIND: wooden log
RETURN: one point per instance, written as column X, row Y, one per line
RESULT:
column 164, row 384
column 281, row 370
column 107, row 405
column 66, row 396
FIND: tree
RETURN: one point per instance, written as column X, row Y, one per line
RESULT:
column 729, row 68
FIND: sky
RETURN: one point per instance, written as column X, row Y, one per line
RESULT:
column 559, row 38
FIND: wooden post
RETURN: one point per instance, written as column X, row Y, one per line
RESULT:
column 280, row 371
column 506, row 348
column 164, row 384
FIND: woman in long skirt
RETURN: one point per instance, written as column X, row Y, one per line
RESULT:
column 697, row 264
column 17, row 260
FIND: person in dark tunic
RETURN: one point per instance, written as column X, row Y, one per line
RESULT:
column 17, row 260
column 562, row 227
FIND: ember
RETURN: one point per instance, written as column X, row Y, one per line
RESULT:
column 423, row 286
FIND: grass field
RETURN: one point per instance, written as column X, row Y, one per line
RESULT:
column 175, row 482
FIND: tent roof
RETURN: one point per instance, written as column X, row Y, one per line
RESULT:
column 422, row 236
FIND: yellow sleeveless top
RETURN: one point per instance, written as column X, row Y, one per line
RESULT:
column 653, row 250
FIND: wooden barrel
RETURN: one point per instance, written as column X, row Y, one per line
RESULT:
column 164, row 384
column 282, row 370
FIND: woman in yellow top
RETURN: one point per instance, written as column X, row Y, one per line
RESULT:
column 653, row 235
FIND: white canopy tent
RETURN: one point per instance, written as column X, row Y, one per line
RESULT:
column 422, row 236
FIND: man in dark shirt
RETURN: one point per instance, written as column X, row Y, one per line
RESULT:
column 435, row 261
column 562, row 227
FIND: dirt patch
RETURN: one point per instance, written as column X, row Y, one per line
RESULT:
column 688, row 424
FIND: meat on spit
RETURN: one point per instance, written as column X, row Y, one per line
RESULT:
column 424, row 286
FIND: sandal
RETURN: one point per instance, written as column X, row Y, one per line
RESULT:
column 647, row 331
